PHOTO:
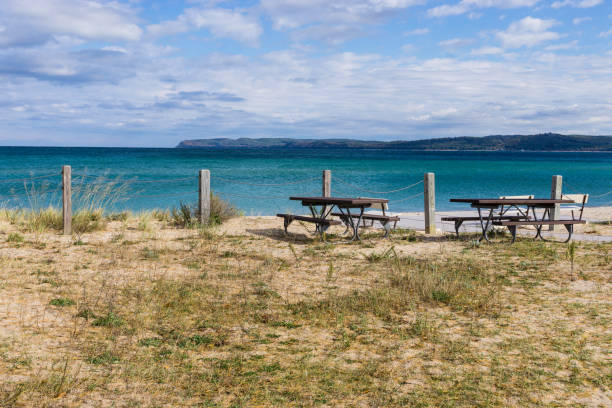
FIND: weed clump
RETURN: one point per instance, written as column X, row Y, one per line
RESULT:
column 61, row 302
column 188, row 216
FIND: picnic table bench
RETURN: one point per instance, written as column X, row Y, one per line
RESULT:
column 459, row 220
column 321, row 209
column 531, row 204
column 384, row 220
column 322, row 223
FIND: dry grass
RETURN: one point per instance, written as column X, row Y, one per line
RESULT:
column 145, row 314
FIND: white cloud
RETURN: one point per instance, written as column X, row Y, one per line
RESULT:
column 293, row 94
column 466, row 5
column 527, row 32
column 418, row 31
column 580, row 20
column 338, row 20
column 455, row 42
column 576, row 3
column 35, row 22
column 221, row 23
column 487, row 51
column 563, row 46
column 606, row 33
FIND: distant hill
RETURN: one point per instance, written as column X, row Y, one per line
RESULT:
column 540, row 142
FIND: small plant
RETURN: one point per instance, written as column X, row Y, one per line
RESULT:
column 330, row 272
column 120, row 216
column 150, row 342
column 109, row 320
column 84, row 221
column 187, row 216
column 61, row 302
column 104, row 358
column 571, row 255
column 14, row 237
column 86, row 314
column 148, row 253
column 374, row 257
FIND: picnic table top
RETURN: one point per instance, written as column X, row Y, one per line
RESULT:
column 341, row 201
column 515, row 201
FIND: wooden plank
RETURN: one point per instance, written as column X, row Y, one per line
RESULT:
column 67, row 199
column 204, row 196
column 430, row 203
column 342, row 201
column 557, row 222
column 500, row 201
column 315, row 220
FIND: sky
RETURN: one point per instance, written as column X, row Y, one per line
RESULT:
column 153, row 73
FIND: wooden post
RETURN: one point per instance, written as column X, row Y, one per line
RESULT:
column 430, row 203
column 555, row 193
column 326, row 183
column 326, row 187
column 204, row 197
column 67, row 199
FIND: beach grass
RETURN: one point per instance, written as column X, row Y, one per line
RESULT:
column 144, row 313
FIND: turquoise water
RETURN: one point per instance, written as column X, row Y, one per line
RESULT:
column 161, row 178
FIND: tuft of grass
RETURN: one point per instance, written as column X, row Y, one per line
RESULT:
column 43, row 220
column 187, row 216
column 85, row 221
column 105, row 358
column 109, row 320
column 15, row 237
column 61, row 302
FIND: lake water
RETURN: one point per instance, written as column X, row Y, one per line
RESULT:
column 161, row 178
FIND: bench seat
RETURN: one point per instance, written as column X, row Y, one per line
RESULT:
column 512, row 225
column 458, row 220
column 547, row 222
column 385, row 220
column 374, row 217
column 322, row 223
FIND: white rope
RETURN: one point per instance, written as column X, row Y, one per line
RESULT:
column 406, row 199
column 266, row 184
column 27, row 179
column 376, row 192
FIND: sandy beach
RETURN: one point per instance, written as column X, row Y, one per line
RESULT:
column 141, row 313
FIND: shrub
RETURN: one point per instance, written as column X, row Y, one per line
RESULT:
column 46, row 219
column 187, row 216
column 88, row 221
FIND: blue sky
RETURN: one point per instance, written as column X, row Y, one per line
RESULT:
column 152, row 73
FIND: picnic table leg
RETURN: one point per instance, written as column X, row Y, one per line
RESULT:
column 356, row 225
column 484, row 226
column 540, row 226
column 457, row 226
column 315, row 214
column 512, row 229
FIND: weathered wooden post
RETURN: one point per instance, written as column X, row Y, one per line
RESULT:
column 204, row 196
column 326, row 183
column 555, row 193
column 67, row 199
column 326, row 187
column 430, row 203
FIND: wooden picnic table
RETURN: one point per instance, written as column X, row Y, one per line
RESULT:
column 531, row 204
column 321, row 207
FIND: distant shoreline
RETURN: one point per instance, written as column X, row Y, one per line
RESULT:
column 301, row 148
column 545, row 142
